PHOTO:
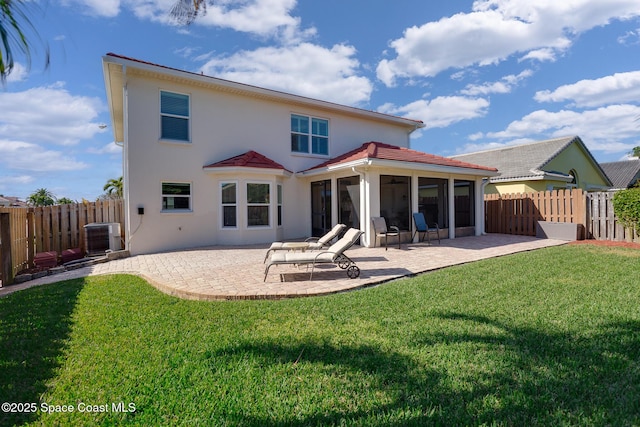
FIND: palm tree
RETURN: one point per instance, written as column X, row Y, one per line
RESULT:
column 65, row 201
column 41, row 197
column 186, row 11
column 636, row 151
column 113, row 187
column 13, row 21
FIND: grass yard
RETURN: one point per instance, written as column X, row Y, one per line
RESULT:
column 549, row 337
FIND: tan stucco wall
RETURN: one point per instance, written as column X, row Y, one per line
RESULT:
column 524, row 187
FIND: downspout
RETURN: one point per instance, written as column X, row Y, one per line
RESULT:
column 485, row 182
column 364, row 203
column 125, row 163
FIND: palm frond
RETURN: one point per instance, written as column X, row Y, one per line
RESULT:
column 185, row 12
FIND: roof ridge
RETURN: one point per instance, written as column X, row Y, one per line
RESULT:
column 382, row 151
column 570, row 138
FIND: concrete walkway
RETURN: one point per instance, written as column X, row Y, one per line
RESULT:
column 227, row 273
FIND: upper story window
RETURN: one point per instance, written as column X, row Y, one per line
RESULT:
column 176, row 196
column 309, row 135
column 174, row 116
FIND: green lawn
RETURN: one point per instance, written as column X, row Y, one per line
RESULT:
column 550, row 337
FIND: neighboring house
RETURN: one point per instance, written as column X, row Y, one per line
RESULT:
column 213, row 162
column 540, row 166
column 623, row 174
column 11, row 201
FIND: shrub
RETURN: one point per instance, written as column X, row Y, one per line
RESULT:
column 626, row 206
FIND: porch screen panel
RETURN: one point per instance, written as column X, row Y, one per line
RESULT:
column 433, row 201
column 395, row 200
column 349, row 201
column 464, row 203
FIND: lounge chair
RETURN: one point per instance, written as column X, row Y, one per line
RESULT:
column 333, row 255
column 312, row 243
column 380, row 229
column 423, row 227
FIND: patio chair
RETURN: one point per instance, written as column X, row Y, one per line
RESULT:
column 423, row 227
column 312, row 243
column 333, row 255
column 380, row 230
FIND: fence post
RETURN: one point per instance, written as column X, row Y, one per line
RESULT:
column 5, row 250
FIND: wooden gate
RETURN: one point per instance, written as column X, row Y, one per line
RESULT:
column 602, row 224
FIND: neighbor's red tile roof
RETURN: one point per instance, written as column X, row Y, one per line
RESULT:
column 381, row 151
column 250, row 159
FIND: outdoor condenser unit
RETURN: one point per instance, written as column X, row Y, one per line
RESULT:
column 100, row 237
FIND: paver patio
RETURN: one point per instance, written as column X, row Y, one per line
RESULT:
column 224, row 272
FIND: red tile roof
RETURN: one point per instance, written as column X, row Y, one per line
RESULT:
column 381, row 151
column 250, row 159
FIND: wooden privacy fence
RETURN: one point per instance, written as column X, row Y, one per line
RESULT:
column 16, row 232
column 519, row 213
column 602, row 223
column 55, row 228
column 593, row 212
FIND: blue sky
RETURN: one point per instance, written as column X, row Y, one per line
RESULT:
column 480, row 74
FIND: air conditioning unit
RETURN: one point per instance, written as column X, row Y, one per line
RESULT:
column 101, row 237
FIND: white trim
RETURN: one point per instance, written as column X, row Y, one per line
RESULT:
column 245, row 169
column 399, row 164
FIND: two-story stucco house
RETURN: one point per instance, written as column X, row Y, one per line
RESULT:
column 213, row 162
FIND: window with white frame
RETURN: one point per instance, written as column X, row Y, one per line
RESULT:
column 309, row 135
column 258, row 195
column 229, row 192
column 176, row 196
column 174, row 116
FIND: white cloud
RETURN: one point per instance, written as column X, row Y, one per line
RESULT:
column 306, row 69
column 601, row 129
column 18, row 73
column 505, row 85
column 495, row 30
column 630, row 38
column 103, row 8
column 265, row 18
column 540, row 55
column 441, row 111
column 33, row 157
column 615, row 89
column 7, row 181
column 49, row 115
column 110, row 148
